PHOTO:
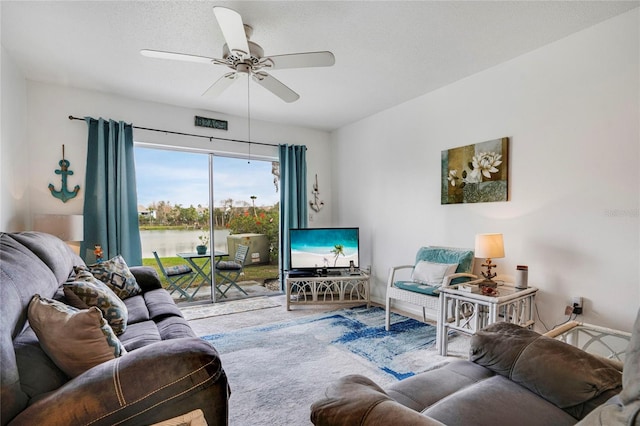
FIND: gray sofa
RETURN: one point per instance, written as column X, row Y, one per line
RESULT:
column 167, row 371
column 514, row 376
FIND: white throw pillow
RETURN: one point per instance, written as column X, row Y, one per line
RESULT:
column 432, row 273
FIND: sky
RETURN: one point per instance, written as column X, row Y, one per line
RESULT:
column 183, row 178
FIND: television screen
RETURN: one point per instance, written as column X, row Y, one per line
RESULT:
column 315, row 248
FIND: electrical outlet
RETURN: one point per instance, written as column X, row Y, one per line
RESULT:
column 576, row 302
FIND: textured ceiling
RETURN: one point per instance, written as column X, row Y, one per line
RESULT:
column 387, row 52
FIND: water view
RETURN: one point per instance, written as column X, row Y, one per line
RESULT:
column 171, row 241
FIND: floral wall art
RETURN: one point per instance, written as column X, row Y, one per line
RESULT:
column 477, row 173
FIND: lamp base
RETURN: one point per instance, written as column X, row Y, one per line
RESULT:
column 488, row 284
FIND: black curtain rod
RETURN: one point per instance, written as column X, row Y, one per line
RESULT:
column 71, row 117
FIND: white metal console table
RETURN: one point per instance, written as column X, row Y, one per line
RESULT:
column 344, row 288
column 469, row 312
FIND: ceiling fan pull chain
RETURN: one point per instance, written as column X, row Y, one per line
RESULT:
column 248, row 119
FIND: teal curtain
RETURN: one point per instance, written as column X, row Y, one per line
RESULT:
column 293, row 195
column 110, row 199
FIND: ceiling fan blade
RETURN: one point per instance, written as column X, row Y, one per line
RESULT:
column 177, row 56
column 221, row 85
column 275, row 86
column 232, row 28
column 302, row 60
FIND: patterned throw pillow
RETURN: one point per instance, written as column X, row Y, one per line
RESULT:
column 116, row 274
column 86, row 291
column 75, row 340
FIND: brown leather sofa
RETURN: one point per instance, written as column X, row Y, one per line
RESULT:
column 167, row 371
column 514, row 376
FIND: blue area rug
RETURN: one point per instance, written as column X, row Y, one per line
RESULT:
column 398, row 352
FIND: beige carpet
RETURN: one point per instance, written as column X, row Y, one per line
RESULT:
column 230, row 307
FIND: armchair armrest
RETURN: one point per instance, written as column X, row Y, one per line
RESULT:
column 561, row 329
column 145, row 386
column 447, row 280
column 356, row 400
column 392, row 273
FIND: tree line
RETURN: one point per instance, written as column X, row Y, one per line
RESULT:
column 164, row 213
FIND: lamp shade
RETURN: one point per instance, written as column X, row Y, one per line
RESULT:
column 490, row 246
column 65, row 227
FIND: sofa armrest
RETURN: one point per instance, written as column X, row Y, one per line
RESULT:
column 146, row 277
column 356, row 400
column 145, row 386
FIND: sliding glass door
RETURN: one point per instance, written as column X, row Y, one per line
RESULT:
column 192, row 199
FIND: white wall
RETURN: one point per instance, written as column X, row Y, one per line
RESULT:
column 48, row 128
column 571, row 110
column 14, row 201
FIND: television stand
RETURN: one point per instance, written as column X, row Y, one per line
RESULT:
column 344, row 288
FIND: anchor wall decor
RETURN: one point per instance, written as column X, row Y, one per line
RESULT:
column 317, row 203
column 64, row 194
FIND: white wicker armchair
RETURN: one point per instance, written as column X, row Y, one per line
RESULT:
column 426, row 294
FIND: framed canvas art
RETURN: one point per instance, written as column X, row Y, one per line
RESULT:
column 477, row 173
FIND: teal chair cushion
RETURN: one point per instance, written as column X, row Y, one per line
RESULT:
column 418, row 288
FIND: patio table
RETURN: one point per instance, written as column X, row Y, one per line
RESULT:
column 200, row 269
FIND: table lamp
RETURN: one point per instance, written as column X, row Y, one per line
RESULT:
column 69, row 228
column 489, row 246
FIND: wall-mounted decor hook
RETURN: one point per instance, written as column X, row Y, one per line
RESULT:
column 64, row 194
column 317, row 203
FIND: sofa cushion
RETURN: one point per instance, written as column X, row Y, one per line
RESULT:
column 136, row 309
column 116, row 274
column 139, row 335
column 75, row 340
column 38, row 373
column 51, row 250
column 146, row 277
column 425, row 389
column 560, row 373
column 497, row 401
column 160, row 304
column 86, row 291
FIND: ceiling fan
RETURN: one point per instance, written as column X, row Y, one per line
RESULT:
column 246, row 57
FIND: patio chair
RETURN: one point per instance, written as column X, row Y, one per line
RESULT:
column 434, row 267
column 229, row 270
column 179, row 277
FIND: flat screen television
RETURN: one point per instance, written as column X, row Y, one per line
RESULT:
column 319, row 248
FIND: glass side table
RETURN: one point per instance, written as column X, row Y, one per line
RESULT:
column 468, row 312
column 605, row 342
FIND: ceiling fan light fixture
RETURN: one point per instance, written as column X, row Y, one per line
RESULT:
column 246, row 57
column 243, row 68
